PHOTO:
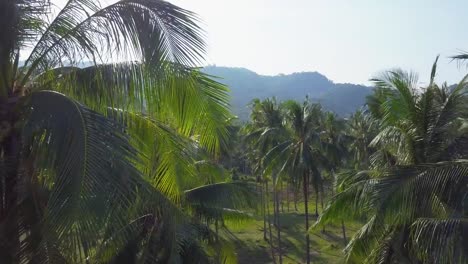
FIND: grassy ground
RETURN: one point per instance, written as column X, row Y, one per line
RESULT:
column 326, row 246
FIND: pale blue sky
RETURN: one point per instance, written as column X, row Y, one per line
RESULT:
column 347, row 40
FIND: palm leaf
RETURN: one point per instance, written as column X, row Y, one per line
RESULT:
column 440, row 240
column 88, row 166
column 154, row 31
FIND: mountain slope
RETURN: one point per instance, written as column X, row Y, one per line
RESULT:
column 245, row 85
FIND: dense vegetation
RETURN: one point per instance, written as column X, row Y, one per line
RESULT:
column 114, row 162
column 136, row 157
column 397, row 167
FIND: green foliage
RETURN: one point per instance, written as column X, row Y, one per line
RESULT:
column 102, row 164
column 400, row 162
column 413, row 194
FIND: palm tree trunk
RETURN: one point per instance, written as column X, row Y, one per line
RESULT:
column 278, row 227
column 264, row 191
column 321, row 206
column 316, row 203
column 306, row 208
column 321, row 199
column 287, row 195
column 280, row 193
column 275, row 215
column 295, row 200
column 269, row 224
column 343, row 229
column 217, row 230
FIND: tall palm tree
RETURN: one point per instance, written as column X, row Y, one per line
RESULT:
column 97, row 106
column 334, row 141
column 265, row 132
column 298, row 154
column 414, row 193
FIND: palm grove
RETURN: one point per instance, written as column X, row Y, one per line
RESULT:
column 397, row 167
column 127, row 160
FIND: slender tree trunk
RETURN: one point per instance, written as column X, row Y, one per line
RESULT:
column 321, row 206
column 264, row 191
column 295, row 199
column 287, row 195
column 275, row 215
column 217, row 230
column 343, row 229
column 280, row 193
column 306, row 208
column 269, row 224
column 278, row 227
column 316, row 203
column 321, row 199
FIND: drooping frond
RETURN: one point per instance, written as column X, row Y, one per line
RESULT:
column 87, row 166
column 168, row 158
column 185, row 99
column 440, row 240
column 151, row 30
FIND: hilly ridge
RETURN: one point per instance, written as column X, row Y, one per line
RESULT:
column 245, row 85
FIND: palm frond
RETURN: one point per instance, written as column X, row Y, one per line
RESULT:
column 168, row 158
column 87, row 165
column 440, row 240
column 153, row 31
column 186, row 99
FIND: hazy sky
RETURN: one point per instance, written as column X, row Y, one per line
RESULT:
column 347, row 40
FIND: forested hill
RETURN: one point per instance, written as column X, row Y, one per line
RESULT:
column 245, row 85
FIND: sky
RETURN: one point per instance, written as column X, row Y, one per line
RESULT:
column 346, row 40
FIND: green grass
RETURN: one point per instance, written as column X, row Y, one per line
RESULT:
column 326, row 246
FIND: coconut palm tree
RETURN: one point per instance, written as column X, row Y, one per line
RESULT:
column 361, row 129
column 334, row 141
column 264, row 133
column 298, row 155
column 97, row 107
column 414, row 193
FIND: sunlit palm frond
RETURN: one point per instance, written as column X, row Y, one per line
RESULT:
column 186, row 99
column 168, row 158
column 153, row 31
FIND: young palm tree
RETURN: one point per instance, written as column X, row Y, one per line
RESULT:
column 414, row 194
column 89, row 156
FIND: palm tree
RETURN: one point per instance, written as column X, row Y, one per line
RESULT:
column 335, row 142
column 97, row 107
column 360, row 132
column 265, row 131
column 298, row 154
column 414, row 193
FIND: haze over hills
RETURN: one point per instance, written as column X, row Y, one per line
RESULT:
column 245, row 85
